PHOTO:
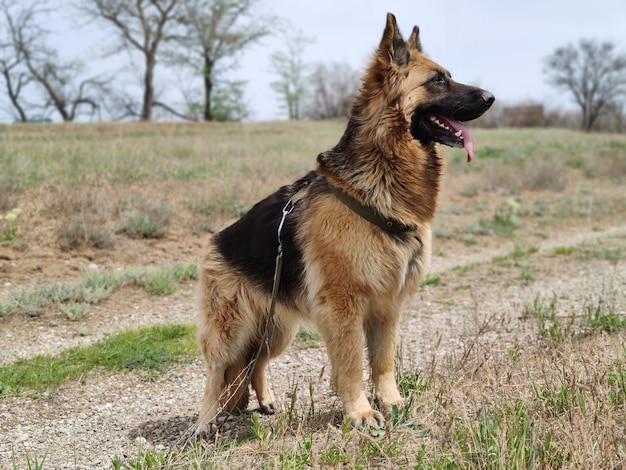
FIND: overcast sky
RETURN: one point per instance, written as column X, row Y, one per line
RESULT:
column 496, row 44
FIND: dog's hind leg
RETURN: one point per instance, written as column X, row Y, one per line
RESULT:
column 213, row 390
column 237, row 395
column 278, row 339
column 259, row 384
column 224, row 339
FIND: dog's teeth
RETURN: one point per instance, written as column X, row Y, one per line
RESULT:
column 433, row 118
column 459, row 133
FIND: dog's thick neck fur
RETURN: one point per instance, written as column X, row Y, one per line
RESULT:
column 409, row 171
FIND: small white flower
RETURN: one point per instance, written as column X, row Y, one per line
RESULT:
column 513, row 204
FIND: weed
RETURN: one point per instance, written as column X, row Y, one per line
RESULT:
column 162, row 281
column 523, row 251
column 225, row 205
column 409, row 384
column 75, row 310
column 95, row 295
column 77, row 234
column 32, row 463
column 258, row 430
column 300, row 457
column 10, row 232
column 506, row 220
column 107, row 280
column 159, row 282
column 538, row 208
column 551, row 329
column 597, row 319
column 564, row 250
column 469, row 239
column 334, row 456
column 145, row 459
column 617, row 383
column 482, row 227
column 7, row 307
column 31, row 302
column 149, row 222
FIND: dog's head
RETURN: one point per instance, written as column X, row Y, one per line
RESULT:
column 432, row 103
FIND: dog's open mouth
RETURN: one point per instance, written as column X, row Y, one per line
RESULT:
column 445, row 131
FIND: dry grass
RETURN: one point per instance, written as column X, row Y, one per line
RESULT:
column 538, row 408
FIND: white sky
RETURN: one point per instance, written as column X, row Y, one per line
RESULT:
column 496, row 44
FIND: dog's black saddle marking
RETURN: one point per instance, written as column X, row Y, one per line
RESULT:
column 250, row 244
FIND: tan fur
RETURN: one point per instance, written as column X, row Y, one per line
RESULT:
column 356, row 276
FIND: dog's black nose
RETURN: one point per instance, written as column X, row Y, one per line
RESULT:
column 488, row 98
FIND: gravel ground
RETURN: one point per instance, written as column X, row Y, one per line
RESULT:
column 84, row 424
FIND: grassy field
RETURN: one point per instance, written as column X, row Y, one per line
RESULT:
column 113, row 214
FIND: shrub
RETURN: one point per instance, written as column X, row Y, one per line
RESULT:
column 149, row 222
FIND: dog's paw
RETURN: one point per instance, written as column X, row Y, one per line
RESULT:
column 268, row 408
column 386, row 407
column 371, row 418
column 206, row 430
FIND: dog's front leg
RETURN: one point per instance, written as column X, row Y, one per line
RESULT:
column 381, row 334
column 341, row 326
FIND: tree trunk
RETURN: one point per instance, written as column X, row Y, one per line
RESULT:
column 208, row 89
column 148, row 92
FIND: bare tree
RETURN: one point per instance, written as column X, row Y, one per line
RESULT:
column 593, row 72
column 27, row 59
column 292, row 72
column 12, row 64
column 210, row 32
column 142, row 27
column 64, row 93
column 334, row 86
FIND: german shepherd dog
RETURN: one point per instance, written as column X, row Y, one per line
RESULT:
column 356, row 243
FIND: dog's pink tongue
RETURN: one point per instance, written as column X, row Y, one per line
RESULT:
column 468, row 141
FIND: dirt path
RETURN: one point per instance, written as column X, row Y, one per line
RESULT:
column 84, row 424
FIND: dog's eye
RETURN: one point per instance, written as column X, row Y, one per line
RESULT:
column 438, row 79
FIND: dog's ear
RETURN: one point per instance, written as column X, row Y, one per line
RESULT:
column 414, row 41
column 392, row 44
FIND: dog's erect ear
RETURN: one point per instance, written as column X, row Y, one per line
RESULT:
column 392, row 44
column 414, row 41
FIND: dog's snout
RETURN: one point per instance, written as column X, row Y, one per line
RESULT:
column 488, row 98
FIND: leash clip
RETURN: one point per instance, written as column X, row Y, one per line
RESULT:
column 288, row 209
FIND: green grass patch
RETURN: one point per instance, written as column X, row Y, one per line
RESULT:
column 564, row 250
column 307, row 339
column 431, row 280
column 148, row 350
